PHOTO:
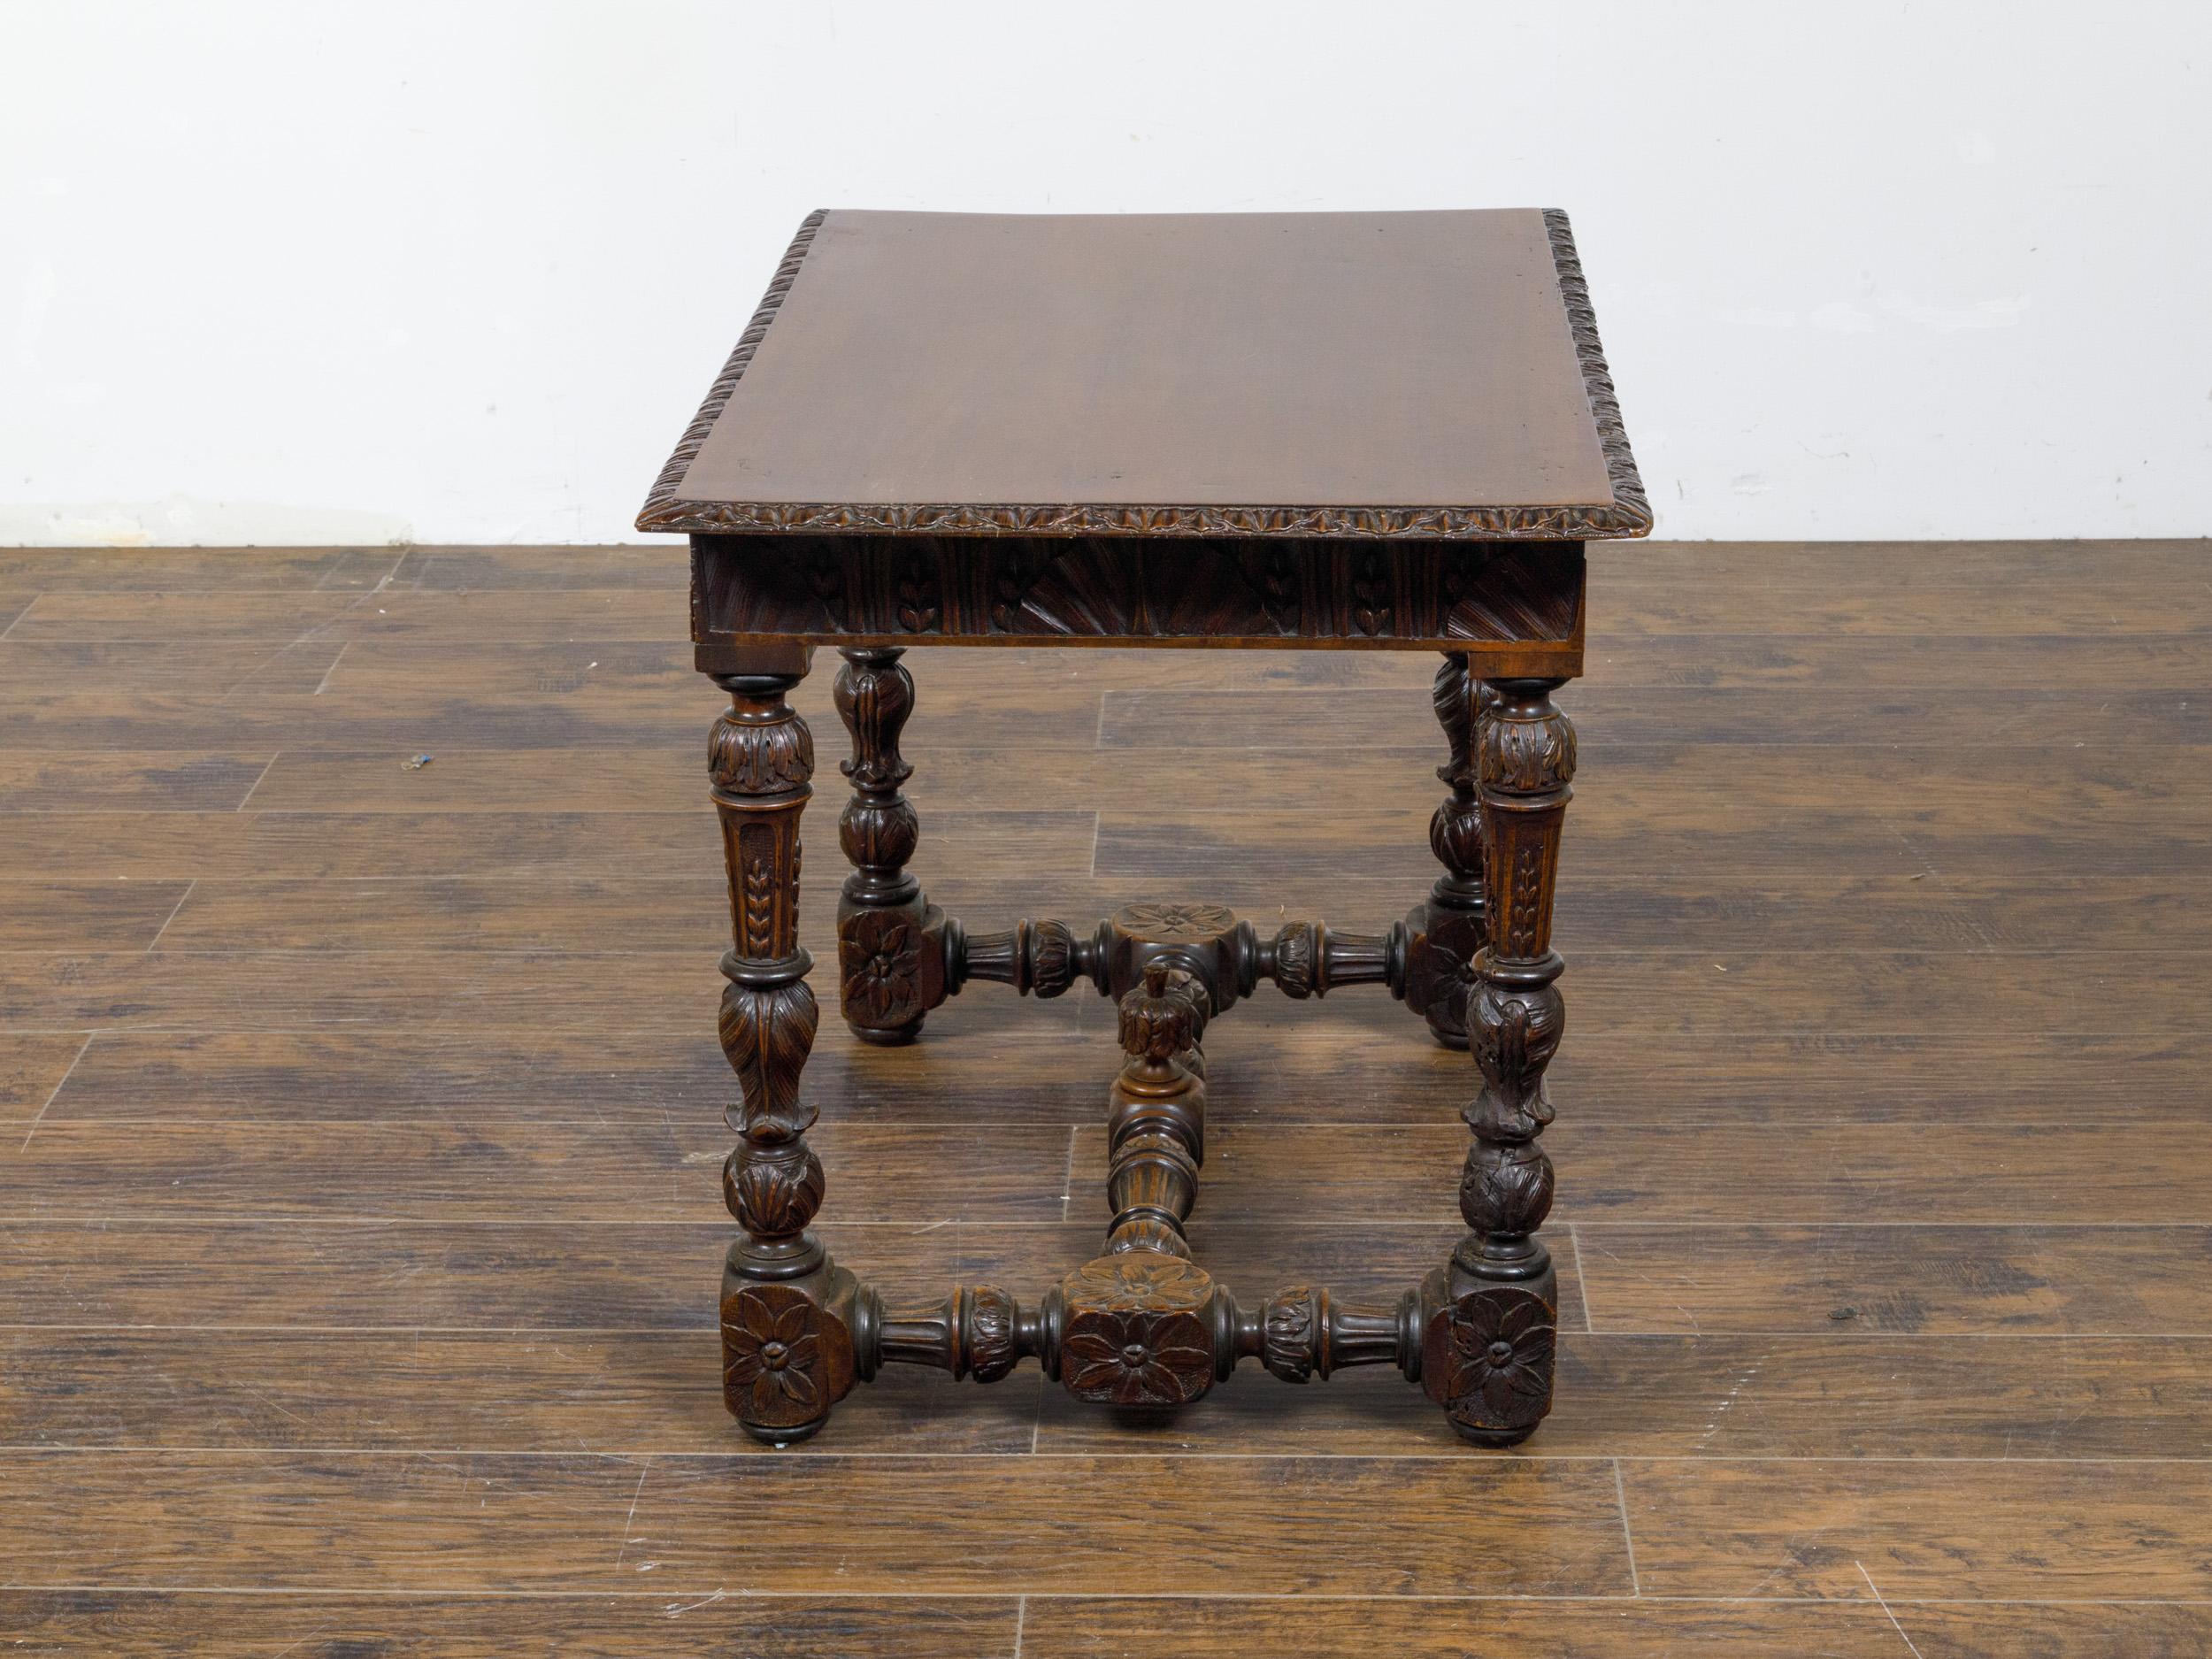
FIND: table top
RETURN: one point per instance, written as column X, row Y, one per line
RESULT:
column 1426, row 374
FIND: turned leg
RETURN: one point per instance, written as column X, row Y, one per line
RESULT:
column 1490, row 1339
column 890, row 940
column 787, row 1346
column 1447, row 927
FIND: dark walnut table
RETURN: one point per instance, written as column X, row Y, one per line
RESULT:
column 1330, row 431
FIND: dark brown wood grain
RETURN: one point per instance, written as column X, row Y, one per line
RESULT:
column 1422, row 375
column 401, row 1148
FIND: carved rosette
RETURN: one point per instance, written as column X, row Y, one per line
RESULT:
column 1488, row 1358
column 1162, row 924
column 880, row 954
column 784, row 1359
column 1139, row 1331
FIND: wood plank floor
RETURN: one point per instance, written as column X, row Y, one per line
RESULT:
column 359, row 1125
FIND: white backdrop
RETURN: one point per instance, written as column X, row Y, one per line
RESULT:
column 299, row 271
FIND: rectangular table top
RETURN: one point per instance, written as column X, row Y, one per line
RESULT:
column 1430, row 375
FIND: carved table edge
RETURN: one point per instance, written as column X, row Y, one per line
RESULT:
column 1628, row 515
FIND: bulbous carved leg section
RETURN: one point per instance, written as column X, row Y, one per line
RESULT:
column 774, row 1189
column 891, row 954
column 1487, row 1359
column 767, row 1030
column 1500, row 1286
column 1448, row 927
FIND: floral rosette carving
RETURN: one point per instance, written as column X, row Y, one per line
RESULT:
column 784, row 1360
column 880, row 952
column 1137, row 1332
column 1488, row 1358
column 1169, row 924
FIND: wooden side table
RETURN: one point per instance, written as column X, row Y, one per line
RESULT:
column 1340, row 431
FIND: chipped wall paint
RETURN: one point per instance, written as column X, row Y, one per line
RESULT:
column 285, row 274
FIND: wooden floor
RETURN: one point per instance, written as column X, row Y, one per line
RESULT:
column 359, row 1226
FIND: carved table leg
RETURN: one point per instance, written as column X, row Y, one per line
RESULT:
column 1447, row 926
column 1491, row 1341
column 787, row 1346
column 890, row 940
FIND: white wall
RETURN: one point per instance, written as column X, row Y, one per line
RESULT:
column 299, row 271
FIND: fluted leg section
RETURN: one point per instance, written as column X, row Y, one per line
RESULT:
column 786, row 1347
column 1447, row 926
column 890, row 940
column 1492, row 1341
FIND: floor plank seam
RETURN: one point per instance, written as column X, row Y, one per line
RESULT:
column 1885, row 1606
column 1582, row 1278
column 1628, row 1533
column 179, row 905
column 55, row 1092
